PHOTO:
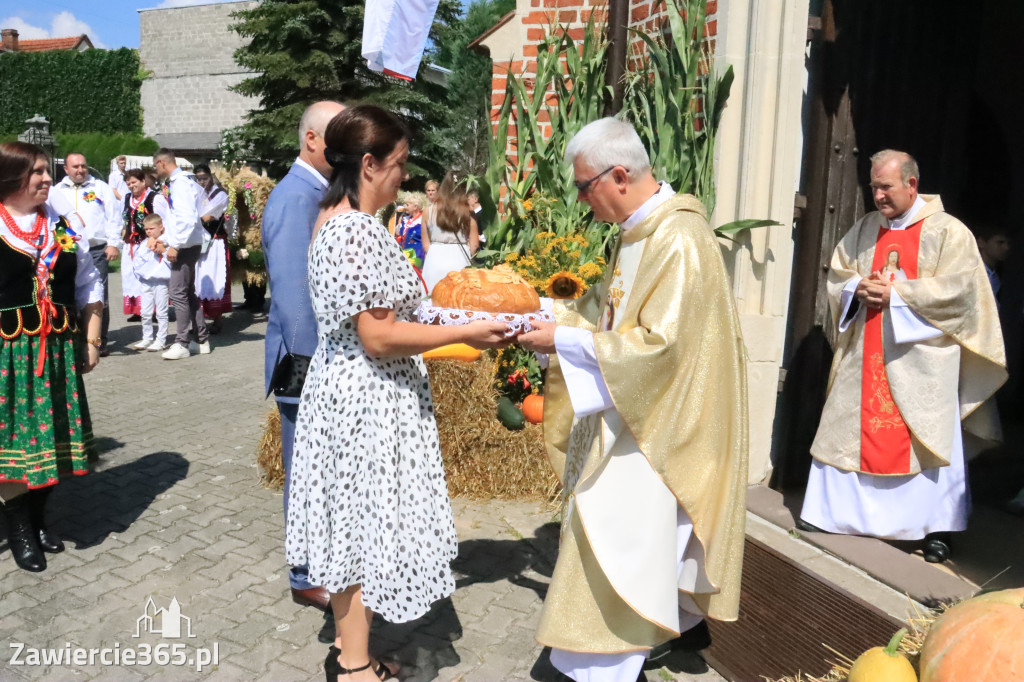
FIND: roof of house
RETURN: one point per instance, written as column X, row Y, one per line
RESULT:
column 47, row 44
column 477, row 45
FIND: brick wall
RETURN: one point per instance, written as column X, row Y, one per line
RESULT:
column 190, row 53
column 538, row 16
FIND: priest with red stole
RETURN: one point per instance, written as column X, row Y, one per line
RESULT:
column 918, row 355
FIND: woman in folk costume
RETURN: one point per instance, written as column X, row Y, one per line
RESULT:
column 46, row 278
column 213, row 271
column 139, row 202
column 918, row 354
column 645, row 422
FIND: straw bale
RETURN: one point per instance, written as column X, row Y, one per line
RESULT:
column 482, row 458
column 268, row 453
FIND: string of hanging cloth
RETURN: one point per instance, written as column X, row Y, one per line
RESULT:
column 395, row 33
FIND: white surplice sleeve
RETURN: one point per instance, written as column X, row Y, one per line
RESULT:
column 849, row 311
column 908, row 326
column 578, row 360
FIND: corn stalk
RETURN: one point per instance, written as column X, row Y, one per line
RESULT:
column 673, row 98
column 568, row 91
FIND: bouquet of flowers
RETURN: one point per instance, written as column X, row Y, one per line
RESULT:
column 558, row 266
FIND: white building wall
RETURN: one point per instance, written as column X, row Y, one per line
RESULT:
column 760, row 146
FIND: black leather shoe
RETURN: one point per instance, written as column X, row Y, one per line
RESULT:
column 936, row 551
column 48, row 542
column 807, row 527
column 696, row 638
column 135, row 318
column 21, row 536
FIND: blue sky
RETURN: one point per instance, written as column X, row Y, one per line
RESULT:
column 108, row 23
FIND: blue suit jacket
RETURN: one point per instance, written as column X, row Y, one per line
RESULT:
column 288, row 221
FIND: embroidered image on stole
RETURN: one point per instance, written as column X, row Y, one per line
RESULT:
column 885, row 438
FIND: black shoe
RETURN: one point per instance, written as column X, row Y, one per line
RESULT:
column 807, row 527
column 936, row 548
column 696, row 638
column 21, row 536
column 48, row 542
column 135, row 318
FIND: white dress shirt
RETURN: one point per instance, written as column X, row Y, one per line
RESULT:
column 96, row 206
column 186, row 199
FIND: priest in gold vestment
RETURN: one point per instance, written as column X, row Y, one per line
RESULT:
column 646, row 425
column 919, row 352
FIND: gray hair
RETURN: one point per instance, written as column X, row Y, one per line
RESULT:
column 908, row 166
column 608, row 142
column 417, row 198
column 315, row 118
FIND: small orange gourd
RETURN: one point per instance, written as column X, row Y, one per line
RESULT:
column 533, row 408
column 453, row 351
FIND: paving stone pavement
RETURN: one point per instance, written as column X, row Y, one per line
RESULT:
column 174, row 511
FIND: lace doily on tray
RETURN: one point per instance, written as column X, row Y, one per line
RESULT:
column 430, row 314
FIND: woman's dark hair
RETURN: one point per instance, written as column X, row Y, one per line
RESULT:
column 136, row 173
column 451, row 209
column 353, row 133
column 17, row 159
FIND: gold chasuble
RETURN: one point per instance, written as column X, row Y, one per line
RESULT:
column 890, row 405
column 669, row 348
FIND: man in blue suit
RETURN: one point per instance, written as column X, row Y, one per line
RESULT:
column 288, row 221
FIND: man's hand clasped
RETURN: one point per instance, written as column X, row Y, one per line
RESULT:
column 540, row 339
column 874, row 291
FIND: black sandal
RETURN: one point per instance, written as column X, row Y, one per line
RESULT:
column 332, row 668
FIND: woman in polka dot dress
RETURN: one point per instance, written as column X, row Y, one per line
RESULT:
column 368, row 507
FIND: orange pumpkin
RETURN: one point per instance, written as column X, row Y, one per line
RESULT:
column 533, row 409
column 981, row 640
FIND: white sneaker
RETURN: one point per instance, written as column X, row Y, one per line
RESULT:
column 157, row 345
column 204, row 348
column 176, row 352
column 144, row 344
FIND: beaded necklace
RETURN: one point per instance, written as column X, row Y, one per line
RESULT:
column 27, row 237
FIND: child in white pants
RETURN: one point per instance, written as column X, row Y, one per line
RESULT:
column 153, row 272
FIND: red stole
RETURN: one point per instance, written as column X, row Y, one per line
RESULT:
column 885, row 438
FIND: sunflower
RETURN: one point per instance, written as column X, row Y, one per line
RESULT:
column 66, row 242
column 565, row 285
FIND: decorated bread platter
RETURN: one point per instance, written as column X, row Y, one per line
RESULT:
column 499, row 295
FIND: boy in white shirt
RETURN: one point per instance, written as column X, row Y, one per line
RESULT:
column 153, row 272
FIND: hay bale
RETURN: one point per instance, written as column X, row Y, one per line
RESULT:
column 482, row 458
column 268, row 453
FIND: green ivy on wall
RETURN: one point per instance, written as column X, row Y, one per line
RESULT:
column 78, row 92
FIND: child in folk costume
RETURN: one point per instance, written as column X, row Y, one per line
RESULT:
column 139, row 201
column 153, row 272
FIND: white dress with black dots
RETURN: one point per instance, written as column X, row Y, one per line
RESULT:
column 368, row 502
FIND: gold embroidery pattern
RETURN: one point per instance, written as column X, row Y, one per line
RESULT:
column 885, row 416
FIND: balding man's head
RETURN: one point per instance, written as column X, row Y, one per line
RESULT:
column 894, row 178
column 76, row 167
column 311, row 133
